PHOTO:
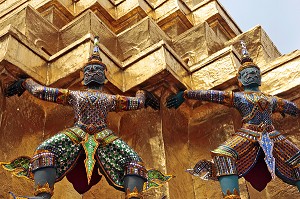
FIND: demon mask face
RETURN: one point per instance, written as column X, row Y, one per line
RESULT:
column 250, row 76
column 94, row 73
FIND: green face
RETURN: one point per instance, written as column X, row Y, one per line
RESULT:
column 250, row 76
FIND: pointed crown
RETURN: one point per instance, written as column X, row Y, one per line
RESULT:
column 95, row 57
column 246, row 61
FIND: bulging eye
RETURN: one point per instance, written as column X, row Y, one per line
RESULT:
column 245, row 74
column 98, row 67
column 87, row 68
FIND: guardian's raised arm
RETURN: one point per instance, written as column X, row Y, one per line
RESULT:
column 56, row 95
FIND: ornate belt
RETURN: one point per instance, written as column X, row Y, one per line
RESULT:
column 259, row 128
column 91, row 128
column 103, row 137
column 254, row 132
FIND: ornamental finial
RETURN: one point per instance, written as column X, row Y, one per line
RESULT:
column 95, row 57
column 246, row 61
column 245, row 54
column 96, row 50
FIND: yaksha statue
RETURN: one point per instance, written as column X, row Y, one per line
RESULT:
column 80, row 151
column 257, row 151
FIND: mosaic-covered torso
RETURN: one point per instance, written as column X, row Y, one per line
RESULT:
column 255, row 108
column 90, row 106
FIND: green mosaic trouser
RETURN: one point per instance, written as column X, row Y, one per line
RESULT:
column 115, row 159
column 112, row 158
column 58, row 151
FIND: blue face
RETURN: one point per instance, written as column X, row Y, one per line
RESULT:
column 94, row 73
column 250, row 77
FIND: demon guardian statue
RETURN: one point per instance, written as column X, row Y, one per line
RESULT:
column 257, row 151
column 89, row 145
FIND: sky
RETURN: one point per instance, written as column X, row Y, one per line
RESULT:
column 279, row 18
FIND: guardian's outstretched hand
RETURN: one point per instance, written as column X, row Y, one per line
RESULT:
column 15, row 88
column 174, row 101
column 151, row 100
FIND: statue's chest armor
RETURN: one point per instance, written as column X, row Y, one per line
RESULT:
column 93, row 100
column 257, row 108
column 90, row 106
column 261, row 101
